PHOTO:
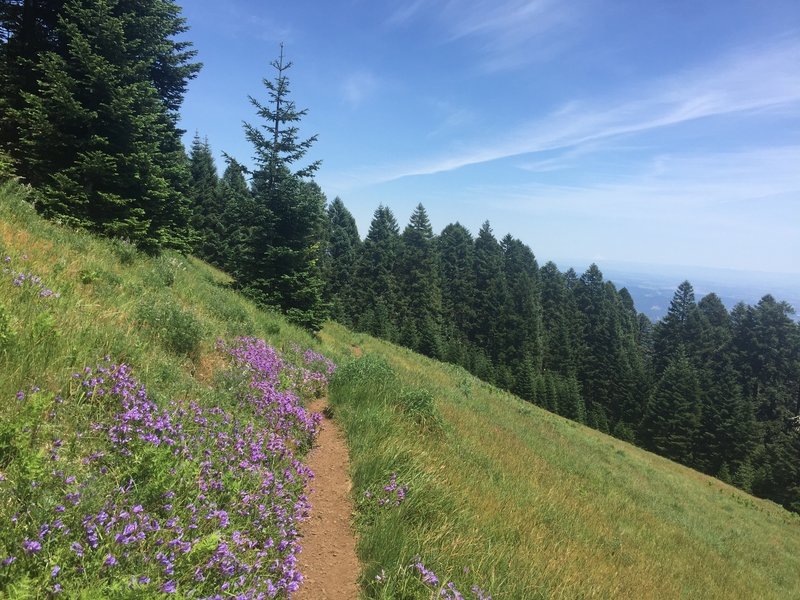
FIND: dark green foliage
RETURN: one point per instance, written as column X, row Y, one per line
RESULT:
column 559, row 326
column 522, row 343
column 420, row 304
column 457, row 263
column 673, row 411
column 238, row 208
column 95, row 131
column 207, row 205
column 679, row 329
column 377, row 290
column 490, row 297
column 280, row 263
column 341, row 260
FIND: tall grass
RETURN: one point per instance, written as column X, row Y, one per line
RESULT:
column 525, row 504
column 139, row 454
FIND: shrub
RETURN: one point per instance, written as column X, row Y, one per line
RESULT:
column 176, row 328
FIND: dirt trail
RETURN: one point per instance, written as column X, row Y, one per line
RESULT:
column 328, row 561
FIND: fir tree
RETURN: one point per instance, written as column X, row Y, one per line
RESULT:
column 96, row 133
column 341, row 260
column 490, row 293
column 377, row 291
column 522, row 325
column 282, row 264
column 420, row 290
column 207, row 209
column 238, row 208
column 559, row 321
column 680, row 328
column 457, row 261
column 673, row 412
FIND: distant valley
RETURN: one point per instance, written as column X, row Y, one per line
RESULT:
column 652, row 286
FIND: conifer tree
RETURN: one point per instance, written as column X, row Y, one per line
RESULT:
column 673, row 413
column 680, row 328
column 341, row 260
column 282, row 264
column 377, row 292
column 558, row 321
column 238, row 208
column 490, row 293
column 522, row 343
column 95, row 134
column 420, row 290
column 457, row 255
column 207, row 209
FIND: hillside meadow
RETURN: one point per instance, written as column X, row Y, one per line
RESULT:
column 460, row 489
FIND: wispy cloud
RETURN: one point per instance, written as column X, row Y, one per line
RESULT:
column 358, row 86
column 753, row 81
column 736, row 209
column 507, row 33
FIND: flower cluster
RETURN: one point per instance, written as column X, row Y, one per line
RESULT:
column 23, row 279
column 447, row 590
column 392, row 494
column 199, row 501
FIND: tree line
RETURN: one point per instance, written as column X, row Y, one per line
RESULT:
column 89, row 97
column 716, row 390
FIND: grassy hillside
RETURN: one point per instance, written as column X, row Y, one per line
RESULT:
column 143, row 447
column 456, row 483
column 525, row 504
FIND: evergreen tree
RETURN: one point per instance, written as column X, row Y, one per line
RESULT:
column 673, row 413
column 207, row 208
column 559, row 321
column 341, row 260
column 238, row 208
column 377, row 289
column 282, row 267
column 457, row 256
column 489, row 300
column 680, row 328
column 96, row 133
column 522, row 341
column 420, row 290
column 728, row 428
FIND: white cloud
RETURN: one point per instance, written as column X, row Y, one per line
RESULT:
column 358, row 87
column 754, row 80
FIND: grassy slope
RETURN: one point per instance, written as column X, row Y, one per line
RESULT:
column 533, row 505
column 163, row 317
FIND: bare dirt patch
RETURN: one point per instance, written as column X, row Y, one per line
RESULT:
column 328, row 561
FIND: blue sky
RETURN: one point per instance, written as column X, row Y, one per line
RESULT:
column 640, row 131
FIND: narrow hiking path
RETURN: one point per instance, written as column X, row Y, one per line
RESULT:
column 328, row 561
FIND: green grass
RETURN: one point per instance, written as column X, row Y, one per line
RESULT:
column 68, row 300
column 502, row 495
column 526, row 504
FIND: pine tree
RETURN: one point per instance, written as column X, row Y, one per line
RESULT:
column 522, row 342
column 559, row 322
column 457, row 255
column 376, row 281
column 341, row 261
column 680, row 328
column 96, row 133
column 282, row 264
column 207, row 208
column 673, row 413
column 420, row 290
column 238, row 208
column 490, row 293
